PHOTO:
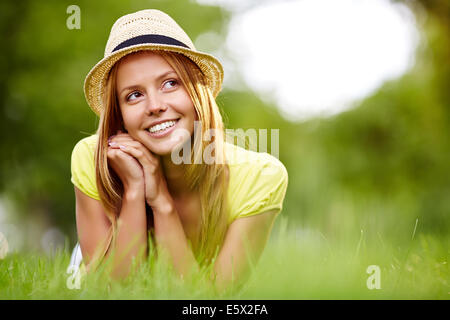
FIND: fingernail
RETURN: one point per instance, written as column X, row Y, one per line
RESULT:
column 112, row 144
column 122, row 147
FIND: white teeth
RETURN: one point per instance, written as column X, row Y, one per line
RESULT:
column 162, row 126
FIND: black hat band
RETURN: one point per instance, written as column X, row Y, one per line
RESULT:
column 150, row 38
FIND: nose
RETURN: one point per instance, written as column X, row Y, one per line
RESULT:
column 155, row 105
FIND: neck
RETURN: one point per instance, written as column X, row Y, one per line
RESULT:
column 174, row 174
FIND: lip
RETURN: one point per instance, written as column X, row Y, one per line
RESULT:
column 161, row 121
column 165, row 132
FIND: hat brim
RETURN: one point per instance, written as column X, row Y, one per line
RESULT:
column 95, row 81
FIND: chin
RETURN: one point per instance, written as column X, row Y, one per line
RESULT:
column 162, row 147
column 163, row 152
column 160, row 150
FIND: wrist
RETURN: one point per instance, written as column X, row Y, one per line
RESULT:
column 134, row 193
column 162, row 205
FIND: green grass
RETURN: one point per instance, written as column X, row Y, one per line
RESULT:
column 297, row 264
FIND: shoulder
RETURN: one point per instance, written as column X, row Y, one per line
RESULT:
column 254, row 164
column 258, row 182
column 83, row 166
column 87, row 144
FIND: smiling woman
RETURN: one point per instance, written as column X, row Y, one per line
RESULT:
column 153, row 94
column 151, row 85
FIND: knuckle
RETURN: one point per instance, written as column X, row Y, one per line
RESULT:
column 121, row 154
column 152, row 168
column 111, row 153
column 139, row 153
column 135, row 143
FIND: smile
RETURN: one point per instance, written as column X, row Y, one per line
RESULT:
column 162, row 129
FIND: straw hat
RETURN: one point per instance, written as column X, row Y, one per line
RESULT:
column 147, row 30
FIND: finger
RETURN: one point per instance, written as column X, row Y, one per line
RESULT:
column 135, row 144
column 119, row 138
column 137, row 153
column 114, row 154
column 116, row 143
column 126, row 156
column 122, row 140
column 131, row 143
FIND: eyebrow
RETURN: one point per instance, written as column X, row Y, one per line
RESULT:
column 157, row 78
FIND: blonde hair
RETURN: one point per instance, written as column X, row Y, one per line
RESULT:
column 210, row 180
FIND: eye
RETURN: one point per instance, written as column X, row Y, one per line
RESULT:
column 131, row 95
column 170, row 84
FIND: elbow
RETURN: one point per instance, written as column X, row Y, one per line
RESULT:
column 229, row 278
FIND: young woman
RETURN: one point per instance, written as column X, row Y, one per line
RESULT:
column 155, row 95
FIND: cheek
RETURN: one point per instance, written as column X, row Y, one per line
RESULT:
column 195, row 115
column 129, row 121
column 186, row 105
column 190, row 110
column 192, row 116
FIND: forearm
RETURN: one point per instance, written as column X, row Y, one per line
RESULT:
column 131, row 237
column 228, row 272
column 171, row 239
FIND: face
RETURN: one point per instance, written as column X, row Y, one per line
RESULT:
column 154, row 104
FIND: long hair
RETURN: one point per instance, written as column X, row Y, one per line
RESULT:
column 209, row 180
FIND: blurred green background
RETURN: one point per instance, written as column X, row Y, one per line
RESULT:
column 379, row 167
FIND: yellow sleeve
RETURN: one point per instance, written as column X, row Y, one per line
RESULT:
column 83, row 167
column 261, row 186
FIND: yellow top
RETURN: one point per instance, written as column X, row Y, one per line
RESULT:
column 258, row 181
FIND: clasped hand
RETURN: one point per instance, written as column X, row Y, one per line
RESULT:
column 136, row 166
